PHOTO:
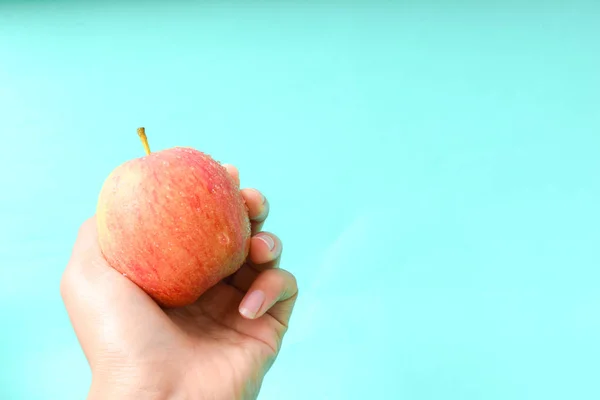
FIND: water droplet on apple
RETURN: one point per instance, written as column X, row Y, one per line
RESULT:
column 165, row 163
column 223, row 238
column 124, row 274
column 182, row 194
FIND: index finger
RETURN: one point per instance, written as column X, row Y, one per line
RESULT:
column 258, row 206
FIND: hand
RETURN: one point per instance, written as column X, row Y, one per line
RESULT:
column 220, row 347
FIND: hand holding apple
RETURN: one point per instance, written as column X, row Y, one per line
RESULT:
column 219, row 347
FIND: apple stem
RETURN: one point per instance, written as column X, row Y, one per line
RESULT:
column 142, row 134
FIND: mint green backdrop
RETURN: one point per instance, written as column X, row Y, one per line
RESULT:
column 432, row 169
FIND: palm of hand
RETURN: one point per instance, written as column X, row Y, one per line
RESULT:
column 215, row 318
column 228, row 347
column 210, row 341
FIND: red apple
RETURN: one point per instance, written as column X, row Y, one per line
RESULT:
column 173, row 222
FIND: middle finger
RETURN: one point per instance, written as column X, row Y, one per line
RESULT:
column 265, row 253
column 258, row 208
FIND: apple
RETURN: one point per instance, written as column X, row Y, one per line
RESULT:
column 174, row 222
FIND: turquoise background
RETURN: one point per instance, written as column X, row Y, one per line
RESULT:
column 432, row 169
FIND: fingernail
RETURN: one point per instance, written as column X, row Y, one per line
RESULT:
column 250, row 306
column 268, row 240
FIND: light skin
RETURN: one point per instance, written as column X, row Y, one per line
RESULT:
column 218, row 348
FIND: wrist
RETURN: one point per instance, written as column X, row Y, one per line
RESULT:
column 104, row 388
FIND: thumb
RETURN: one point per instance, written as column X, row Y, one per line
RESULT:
column 103, row 306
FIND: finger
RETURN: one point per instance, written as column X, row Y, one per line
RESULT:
column 243, row 278
column 87, row 237
column 233, row 171
column 97, row 295
column 274, row 292
column 258, row 208
column 265, row 253
column 86, row 259
column 89, row 277
column 86, row 256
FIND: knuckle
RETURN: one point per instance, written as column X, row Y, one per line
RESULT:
column 66, row 283
column 293, row 281
column 85, row 226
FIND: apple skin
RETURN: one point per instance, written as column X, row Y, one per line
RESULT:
column 174, row 222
